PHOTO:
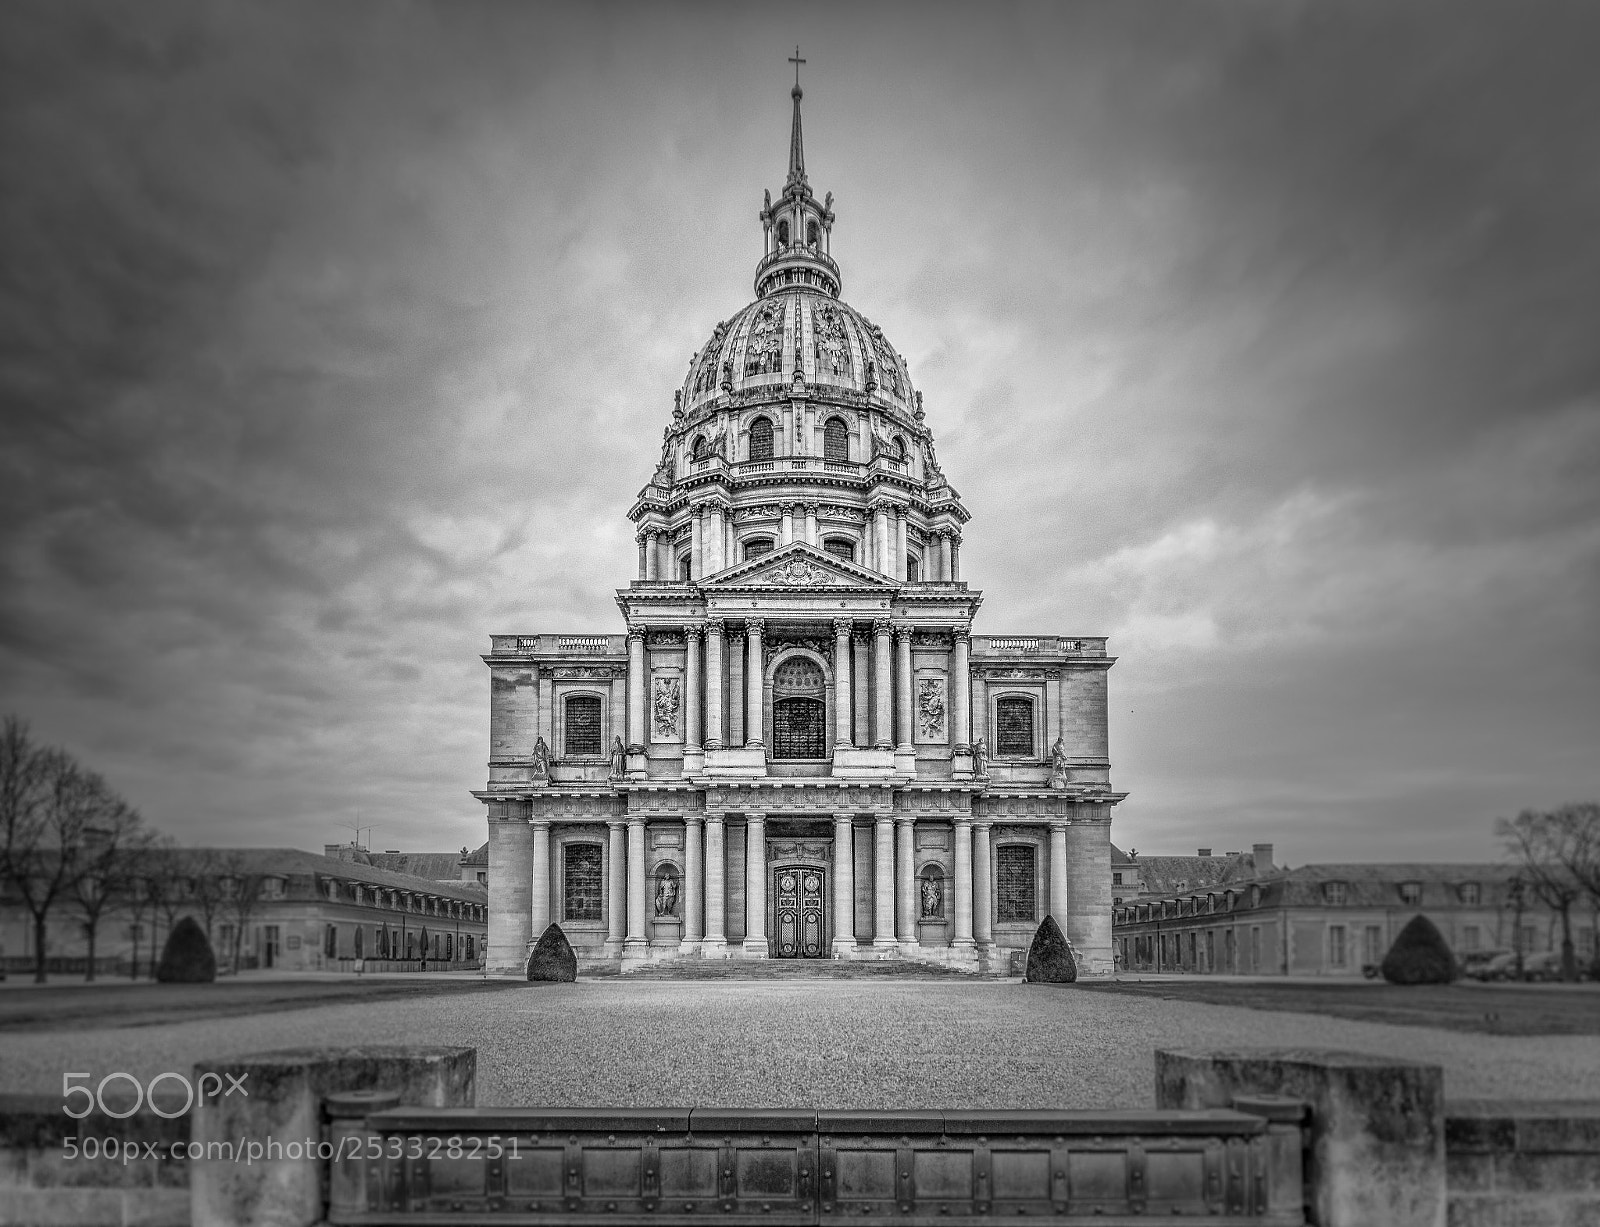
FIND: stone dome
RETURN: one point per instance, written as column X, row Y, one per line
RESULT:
column 836, row 349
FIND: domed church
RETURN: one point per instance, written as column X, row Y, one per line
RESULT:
column 798, row 748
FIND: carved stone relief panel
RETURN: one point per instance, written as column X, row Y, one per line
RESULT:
column 798, row 850
column 931, row 710
column 775, row 644
column 666, row 704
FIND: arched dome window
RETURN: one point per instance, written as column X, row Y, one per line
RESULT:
column 913, row 567
column 840, row 547
column 783, row 234
column 899, row 452
column 761, row 439
column 754, row 547
column 811, row 233
column 697, row 450
column 836, row 440
column 798, row 710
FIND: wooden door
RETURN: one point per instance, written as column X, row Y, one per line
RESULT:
column 799, row 928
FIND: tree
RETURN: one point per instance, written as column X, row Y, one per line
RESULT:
column 1420, row 955
column 109, row 860
column 241, row 889
column 141, row 898
column 187, row 957
column 1550, row 850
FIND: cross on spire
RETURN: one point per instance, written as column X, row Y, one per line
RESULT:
column 796, row 61
column 797, row 156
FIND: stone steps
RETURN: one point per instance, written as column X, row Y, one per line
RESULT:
column 797, row 969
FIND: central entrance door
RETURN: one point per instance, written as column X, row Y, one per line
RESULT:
column 799, row 894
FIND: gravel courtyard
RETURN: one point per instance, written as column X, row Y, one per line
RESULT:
column 815, row 1043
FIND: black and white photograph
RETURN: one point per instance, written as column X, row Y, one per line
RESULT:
column 910, row 612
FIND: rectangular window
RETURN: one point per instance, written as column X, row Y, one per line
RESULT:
column 1116, row 879
column 1255, row 949
column 1335, row 945
column 583, row 726
column 1471, row 938
column 580, row 864
column 1013, row 722
column 1372, row 944
column 1014, row 883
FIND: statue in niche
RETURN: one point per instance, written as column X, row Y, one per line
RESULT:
column 619, row 759
column 666, row 707
column 930, row 709
column 666, row 893
column 541, row 759
column 1058, row 764
column 766, row 204
column 727, row 376
column 932, row 898
column 980, row 758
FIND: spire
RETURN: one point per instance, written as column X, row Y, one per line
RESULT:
column 797, row 153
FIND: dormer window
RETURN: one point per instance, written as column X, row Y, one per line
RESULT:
column 1333, row 893
column 1471, row 893
column 1411, row 893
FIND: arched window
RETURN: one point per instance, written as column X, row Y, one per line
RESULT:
column 798, row 710
column 930, row 893
column 783, row 234
column 836, row 440
column 685, row 571
column 697, row 449
column 899, row 450
column 840, row 547
column 1015, row 886
column 583, row 726
column 757, row 546
column 912, row 567
column 1013, row 727
column 811, row 233
column 580, row 881
column 761, row 439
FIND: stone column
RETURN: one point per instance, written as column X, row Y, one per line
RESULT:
column 861, row 690
column 961, row 692
column 644, row 560
column 735, row 647
column 883, row 732
column 714, row 684
column 786, row 533
column 691, row 700
column 652, row 554
column 511, row 904
column 982, row 893
column 963, row 884
column 1088, row 924
column 955, row 558
column 755, row 886
column 944, row 555
column 902, row 565
column 811, row 524
column 843, row 704
column 902, row 637
column 636, row 943
column 844, row 887
column 636, row 690
column 693, row 880
column 617, row 909
column 539, row 895
column 881, row 562
column 755, row 717
column 883, row 884
column 906, row 884
column 667, row 567
column 697, row 539
column 1058, row 873
column 715, row 945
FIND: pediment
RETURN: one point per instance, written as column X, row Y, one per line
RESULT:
column 798, row 565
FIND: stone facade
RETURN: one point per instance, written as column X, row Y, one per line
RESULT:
column 798, row 747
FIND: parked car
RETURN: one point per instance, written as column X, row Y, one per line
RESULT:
column 1501, row 967
column 1546, row 966
column 1475, row 963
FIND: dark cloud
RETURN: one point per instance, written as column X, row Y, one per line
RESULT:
column 336, row 338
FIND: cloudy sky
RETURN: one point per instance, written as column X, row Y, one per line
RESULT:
column 1261, row 337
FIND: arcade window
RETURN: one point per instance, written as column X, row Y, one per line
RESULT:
column 840, row 547
column 761, row 439
column 757, row 546
column 1014, row 883
column 583, row 726
column 836, row 441
column 580, row 878
column 1013, row 723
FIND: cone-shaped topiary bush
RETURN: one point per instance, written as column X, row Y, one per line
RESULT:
column 1051, row 958
column 187, row 956
column 1420, row 955
column 552, row 957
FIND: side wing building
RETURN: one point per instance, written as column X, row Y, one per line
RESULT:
column 798, row 747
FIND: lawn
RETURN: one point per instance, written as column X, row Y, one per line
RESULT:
column 1489, row 1009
